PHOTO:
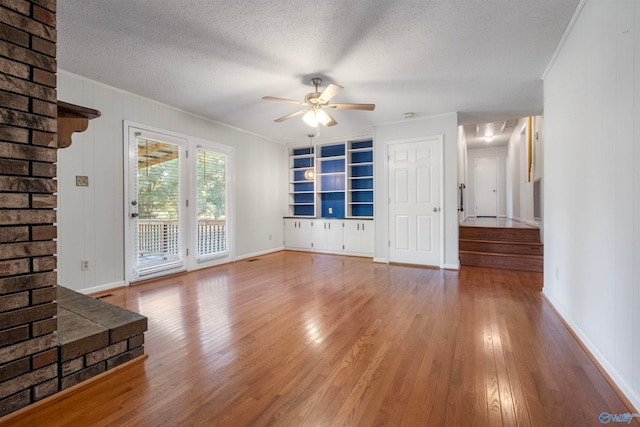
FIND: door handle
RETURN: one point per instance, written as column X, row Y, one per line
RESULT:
column 134, row 215
column 436, row 209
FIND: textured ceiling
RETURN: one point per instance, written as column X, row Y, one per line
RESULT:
column 218, row 58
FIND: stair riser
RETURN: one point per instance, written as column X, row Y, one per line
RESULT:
column 505, row 262
column 500, row 234
column 501, row 248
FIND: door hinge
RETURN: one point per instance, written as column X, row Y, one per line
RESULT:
column 343, row 247
column 389, row 243
column 187, row 203
column 187, row 252
column 187, row 153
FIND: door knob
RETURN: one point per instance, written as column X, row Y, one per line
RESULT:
column 436, row 209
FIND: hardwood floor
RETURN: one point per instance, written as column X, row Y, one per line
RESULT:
column 295, row 338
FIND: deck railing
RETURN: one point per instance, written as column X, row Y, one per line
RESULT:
column 160, row 238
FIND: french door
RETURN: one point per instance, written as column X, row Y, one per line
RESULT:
column 156, row 202
column 176, row 204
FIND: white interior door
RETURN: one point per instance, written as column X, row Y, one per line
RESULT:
column 155, row 207
column 486, row 186
column 415, row 209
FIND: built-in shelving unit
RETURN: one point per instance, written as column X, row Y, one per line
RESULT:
column 360, row 177
column 302, row 191
column 343, row 182
column 331, row 180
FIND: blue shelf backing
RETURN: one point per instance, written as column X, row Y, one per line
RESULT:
column 303, row 210
column 303, row 186
column 335, row 201
column 332, row 150
column 362, row 184
column 364, row 170
column 303, row 198
column 332, row 183
column 362, row 157
column 362, row 210
column 332, row 166
column 362, row 196
column 303, row 162
column 362, row 144
column 301, row 151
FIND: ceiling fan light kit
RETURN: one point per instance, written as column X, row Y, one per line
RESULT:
column 315, row 104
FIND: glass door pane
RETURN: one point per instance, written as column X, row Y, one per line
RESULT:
column 212, row 204
column 158, row 229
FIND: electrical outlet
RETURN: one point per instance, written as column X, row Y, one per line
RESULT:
column 330, row 211
column 82, row 181
column 84, row 265
column 269, row 236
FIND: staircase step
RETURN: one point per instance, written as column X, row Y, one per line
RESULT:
column 497, row 246
column 502, row 260
column 500, row 234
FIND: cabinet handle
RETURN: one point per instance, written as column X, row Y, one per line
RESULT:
column 329, row 226
column 325, row 225
column 363, row 226
column 358, row 227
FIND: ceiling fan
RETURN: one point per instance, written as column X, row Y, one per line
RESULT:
column 316, row 103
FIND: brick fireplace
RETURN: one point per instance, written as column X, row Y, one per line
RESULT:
column 51, row 338
column 28, row 343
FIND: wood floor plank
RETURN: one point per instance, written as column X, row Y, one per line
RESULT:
column 296, row 338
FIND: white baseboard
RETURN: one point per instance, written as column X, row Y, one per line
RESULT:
column 255, row 254
column 533, row 223
column 624, row 387
column 451, row 266
column 101, row 288
column 380, row 260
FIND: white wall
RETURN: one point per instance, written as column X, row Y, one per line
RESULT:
column 501, row 154
column 592, row 190
column 445, row 125
column 519, row 188
column 90, row 220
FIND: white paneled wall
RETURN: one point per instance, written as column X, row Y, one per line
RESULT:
column 91, row 219
column 592, row 186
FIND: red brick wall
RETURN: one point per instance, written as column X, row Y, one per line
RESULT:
column 28, row 346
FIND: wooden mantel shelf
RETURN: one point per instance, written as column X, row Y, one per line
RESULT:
column 72, row 118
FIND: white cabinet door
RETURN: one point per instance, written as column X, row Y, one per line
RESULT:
column 327, row 235
column 318, row 235
column 358, row 237
column 297, row 233
column 367, row 238
column 334, row 235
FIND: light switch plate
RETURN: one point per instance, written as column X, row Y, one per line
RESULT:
column 82, row 181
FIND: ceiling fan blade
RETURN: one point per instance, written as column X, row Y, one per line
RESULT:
column 290, row 101
column 288, row 116
column 366, row 107
column 331, row 91
column 332, row 121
